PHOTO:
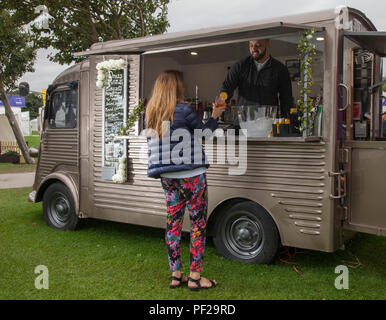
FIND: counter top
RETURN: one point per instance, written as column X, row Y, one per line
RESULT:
column 262, row 139
column 287, row 139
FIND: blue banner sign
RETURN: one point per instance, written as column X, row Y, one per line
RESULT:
column 15, row 101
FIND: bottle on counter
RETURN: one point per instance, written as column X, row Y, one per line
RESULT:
column 284, row 127
column 276, row 127
column 318, row 122
column 200, row 109
column 294, row 122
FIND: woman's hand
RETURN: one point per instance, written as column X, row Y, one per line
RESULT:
column 219, row 106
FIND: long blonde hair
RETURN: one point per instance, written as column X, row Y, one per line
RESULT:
column 168, row 90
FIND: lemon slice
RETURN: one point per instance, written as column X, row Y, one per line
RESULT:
column 224, row 95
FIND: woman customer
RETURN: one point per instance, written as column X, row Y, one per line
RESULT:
column 183, row 174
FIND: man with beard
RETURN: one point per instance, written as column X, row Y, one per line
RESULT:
column 260, row 79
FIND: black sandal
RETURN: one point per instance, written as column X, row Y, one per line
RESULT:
column 199, row 287
column 177, row 279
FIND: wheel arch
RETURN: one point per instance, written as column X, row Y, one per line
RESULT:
column 62, row 178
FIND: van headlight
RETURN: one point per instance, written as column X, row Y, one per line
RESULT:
column 31, row 196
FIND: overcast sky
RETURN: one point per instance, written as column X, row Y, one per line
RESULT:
column 196, row 14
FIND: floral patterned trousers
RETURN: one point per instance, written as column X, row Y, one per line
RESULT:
column 181, row 193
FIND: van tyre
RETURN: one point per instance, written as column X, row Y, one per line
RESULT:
column 245, row 232
column 59, row 207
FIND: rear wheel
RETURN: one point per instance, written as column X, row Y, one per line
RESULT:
column 246, row 232
column 59, row 207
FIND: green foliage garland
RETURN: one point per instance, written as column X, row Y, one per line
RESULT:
column 133, row 117
column 306, row 51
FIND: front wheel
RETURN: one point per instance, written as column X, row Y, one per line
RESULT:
column 59, row 207
column 246, row 232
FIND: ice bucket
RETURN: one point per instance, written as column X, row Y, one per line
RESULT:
column 256, row 119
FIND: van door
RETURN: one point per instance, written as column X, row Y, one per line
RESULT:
column 364, row 139
column 367, row 186
column 59, row 147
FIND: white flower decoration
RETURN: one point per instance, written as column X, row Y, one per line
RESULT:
column 120, row 176
column 104, row 67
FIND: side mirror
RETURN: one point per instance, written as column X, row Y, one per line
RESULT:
column 23, row 89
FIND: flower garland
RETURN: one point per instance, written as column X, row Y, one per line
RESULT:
column 103, row 71
column 306, row 52
column 120, row 176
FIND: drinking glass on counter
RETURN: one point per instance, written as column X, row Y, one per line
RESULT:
column 219, row 102
column 205, row 117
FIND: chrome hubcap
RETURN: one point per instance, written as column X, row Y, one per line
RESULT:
column 60, row 208
column 244, row 236
column 246, row 233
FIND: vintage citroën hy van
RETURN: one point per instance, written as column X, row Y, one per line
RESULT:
column 310, row 191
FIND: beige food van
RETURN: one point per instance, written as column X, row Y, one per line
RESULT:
column 311, row 192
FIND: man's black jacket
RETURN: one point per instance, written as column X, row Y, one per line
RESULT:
column 266, row 87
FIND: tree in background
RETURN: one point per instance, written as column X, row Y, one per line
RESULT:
column 17, row 56
column 33, row 102
column 74, row 26
column 77, row 24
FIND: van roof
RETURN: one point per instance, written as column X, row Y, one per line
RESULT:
column 69, row 73
column 254, row 29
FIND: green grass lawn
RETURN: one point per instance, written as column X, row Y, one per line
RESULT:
column 33, row 141
column 106, row 260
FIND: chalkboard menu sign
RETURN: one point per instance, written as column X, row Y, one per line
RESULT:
column 114, row 117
